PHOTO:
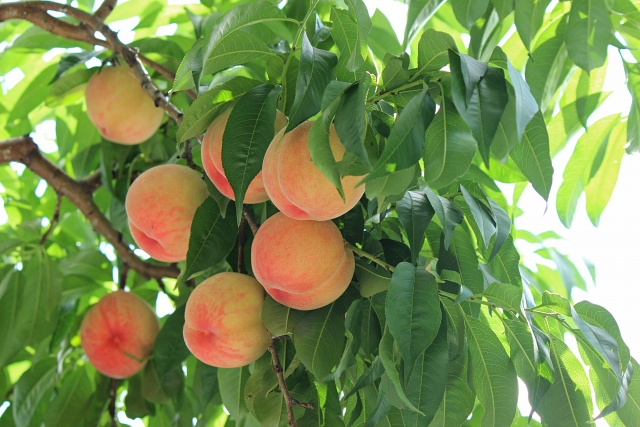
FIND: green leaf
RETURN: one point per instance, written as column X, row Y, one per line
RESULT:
column 564, row 404
column 212, row 237
column 468, row 11
column 524, row 103
column 415, row 213
column 316, row 71
column 360, row 16
column 68, row 88
column 630, row 412
column 506, row 264
column 482, row 215
column 319, row 339
column 247, row 135
column 547, row 65
column 371, row 374
column 394, row 74
column 226, row 38
column 387, row 359
column 528, row 17
column 31, row 388
column 169, row 349
column 351, row 118
column 464, row 260
column 67, row 408
column 600, row 317
column 210, row 105
column 372, row 280
column 348, row 37
column 524, row 355
column 449, row 214
column 44, row 284
column 412, row 311
column 503, row 225
column 352, row 324
column 449, row 147
column 494, row 377
column 232, row 382
column 588, row 33
column 279, row 319
column 604, row 343
column 405, row 144
column 235, row 48
column 382, row 37
column 486, row 104
column 532, row 156
column 633, row 121
column 427, row 383
column 433, row 50
column 184, row 75
column 576, row 174
column 601, row 185
column 319, row 135
column 419, row 12
column 503, row 7
column 12, row 339
column 458, row 400
column 505, row 296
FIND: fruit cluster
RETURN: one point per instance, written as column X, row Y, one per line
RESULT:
column 298, row 256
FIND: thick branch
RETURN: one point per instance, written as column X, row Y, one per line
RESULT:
column 105, row 9
column 25, row 151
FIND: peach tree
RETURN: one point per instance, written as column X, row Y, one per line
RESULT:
column 263, row 213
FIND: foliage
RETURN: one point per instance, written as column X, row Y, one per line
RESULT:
column 441, row 308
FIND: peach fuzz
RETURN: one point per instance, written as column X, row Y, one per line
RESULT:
column 212, row 160
column 160, row 205
column 301, row 264
column 223, row 321
column 119, row 107
column 297, row 187
column 118, row 334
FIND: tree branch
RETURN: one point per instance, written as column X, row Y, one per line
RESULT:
column 54, row 219
column 105, row 9
column 25, row 151
column 275, row 359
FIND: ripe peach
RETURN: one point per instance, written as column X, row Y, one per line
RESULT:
column 160, row 205
column 212, row 160
column 119, row 107
column 297, row 187
column 223, row 321
column 301, row 264
column 118, row 333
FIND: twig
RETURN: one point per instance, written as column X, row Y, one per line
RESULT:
column 25, row 151
column 36, row 12
column 253, row 225
column 54, row 219
column 367, row 255
column 112, row 402
column 241, row 240
column 105, row 9
column 124, row 273
column 288, row 399
column 277, row 366
column 161, row 285
column 187, row 155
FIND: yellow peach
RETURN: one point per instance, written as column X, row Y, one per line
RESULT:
column 301, row 264
column 223, row 321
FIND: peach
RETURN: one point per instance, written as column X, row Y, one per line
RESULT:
column 301, row 264
column 119, row 107
column 297, row 187
column 212, row 160
column 223, row 321
column 118, row 334
column 160, row 205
